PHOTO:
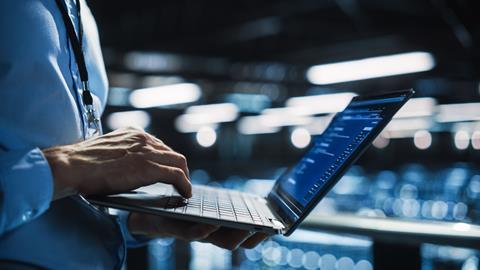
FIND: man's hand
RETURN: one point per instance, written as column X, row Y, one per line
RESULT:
column 116, row 162
column 156, row 226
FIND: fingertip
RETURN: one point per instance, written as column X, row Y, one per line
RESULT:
column 188, row 192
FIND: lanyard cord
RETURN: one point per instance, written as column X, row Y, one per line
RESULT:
column 77, row 44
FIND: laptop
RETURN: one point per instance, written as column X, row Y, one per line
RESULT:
column 295, row 193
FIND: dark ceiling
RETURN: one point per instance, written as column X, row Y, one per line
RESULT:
column 266, row 46
column 241, row 37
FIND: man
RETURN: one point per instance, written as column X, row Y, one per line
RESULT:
column 48, row 156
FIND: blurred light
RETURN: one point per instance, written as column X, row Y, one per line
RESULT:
column 229, row 109
column 252, row 103
column 272, row 91
column 271, row 253
column 427, row 209
column 250, row 125
column 302, row 237
column 476, row 140
column 165, row 95
column 368, row 68
column 287, row 116
column 199, row 176
column 422, row 139
column 197, row 117
column 408, row 191
column 381, row 141
column 310, row 260
column 160, row 253
column 185, row 127
column 461, row 140
column 294, row 258
column 118, row 96
column 363, row 265
column 439, row 210
column 318, row 124
column 417, row 107
column 118, row 120
column 458, row 112
column 410, row 208
column 345, row 263
column 460, row 211
column 399, row 134
column 328, row 262
column 397, row 207
column 149, row 61
column 206, row 256
column 156, row 80
column 300, row 137
column 408, row 124
column 461, row 227
column 284, row 255
column 254, row 254
column 206, row 137
column 320, row 104
column 472, row 263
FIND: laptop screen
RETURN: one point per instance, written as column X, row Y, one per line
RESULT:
column 331, row 151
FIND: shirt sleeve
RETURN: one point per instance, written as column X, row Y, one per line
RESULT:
column 26, row 187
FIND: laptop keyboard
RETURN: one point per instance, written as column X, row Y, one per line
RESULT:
column 221, row 204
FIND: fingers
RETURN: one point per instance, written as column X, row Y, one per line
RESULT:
column 157, row 226
column 169, row 158
column 198, row 232
column 169, row 166
column 157, row 143
column 155, row 172
column 185, row 230
column 228, row 238
column 254, row 240
column 169, row 227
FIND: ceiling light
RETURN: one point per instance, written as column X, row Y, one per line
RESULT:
column 320, row 104
column 458, row 112
column 118, row 120
column 165, row 95
column 381, row 141
column 250, row 125
column 369, row 68
column 220, row 108
column 206, row 115
column 206, row 136
column 300, row 138
column 461, row 140
column 409, row 124
column 417, row 107
column 476, row 140
column 422, row 139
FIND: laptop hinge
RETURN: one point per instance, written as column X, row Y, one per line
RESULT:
column 278, row 218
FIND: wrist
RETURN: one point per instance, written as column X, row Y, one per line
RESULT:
column 63, row 180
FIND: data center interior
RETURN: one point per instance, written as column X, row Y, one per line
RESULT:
column 221, row 82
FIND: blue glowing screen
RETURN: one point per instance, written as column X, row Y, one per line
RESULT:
column 333, row 148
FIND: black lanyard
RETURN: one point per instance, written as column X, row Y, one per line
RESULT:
column 77, row 45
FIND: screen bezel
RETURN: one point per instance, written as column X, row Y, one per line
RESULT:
column 280, row 200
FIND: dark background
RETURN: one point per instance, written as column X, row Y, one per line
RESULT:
column 266, row 46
